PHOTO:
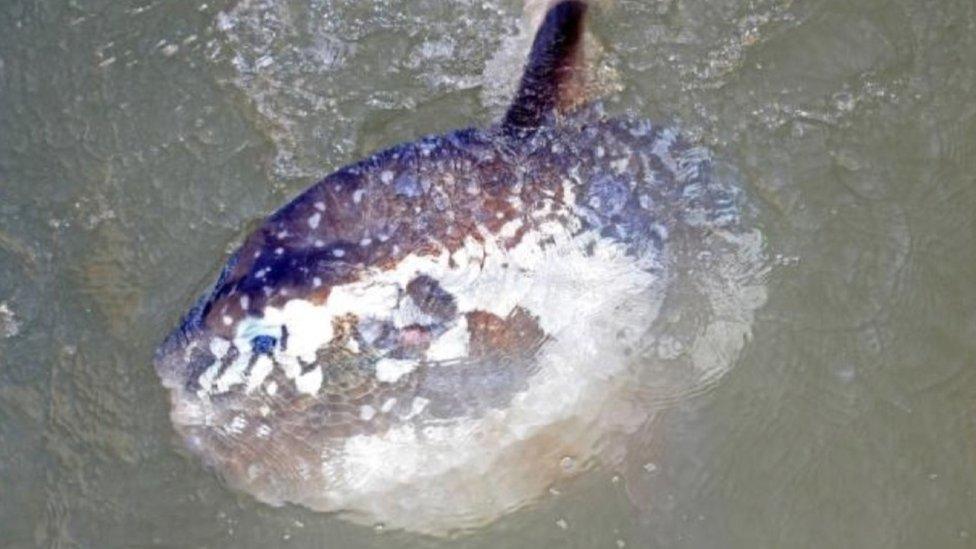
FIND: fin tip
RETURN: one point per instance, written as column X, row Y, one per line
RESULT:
column 550, row 80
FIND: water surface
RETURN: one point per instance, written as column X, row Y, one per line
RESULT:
column 141, row 139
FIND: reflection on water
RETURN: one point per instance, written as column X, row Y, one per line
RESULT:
column 141, row 139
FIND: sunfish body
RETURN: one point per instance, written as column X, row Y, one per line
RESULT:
column 432, row 337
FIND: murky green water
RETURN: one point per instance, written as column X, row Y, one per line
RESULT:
column 140, row 139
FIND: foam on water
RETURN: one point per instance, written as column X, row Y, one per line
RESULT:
column 302, row 63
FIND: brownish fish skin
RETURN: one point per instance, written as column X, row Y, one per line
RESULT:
column 635, row 185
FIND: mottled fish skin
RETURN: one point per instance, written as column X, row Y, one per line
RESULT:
column 364, row 305
column 632, row 181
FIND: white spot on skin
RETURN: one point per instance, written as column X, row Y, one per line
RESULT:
column 234, row 374
column 620, row 166
column 510, row 229
column 569, row 192
column 310, row 382
column 388, row 405
column 367, row 412
column 417, row 407
column 357, row 196
column 236, row 426
column 386, row 177
column 320, row 206
column 271, row 388
column 219, row 347
column 316, row 282
column 408, row 313
column 263, row 431
column 313, row 220
column 245, row 302
column 289, row 364
column 207, row 377
column 228, row 320
column 661, row 231
column 390, row 370
column 259, row 372
column 452, row 344
column 339, row 252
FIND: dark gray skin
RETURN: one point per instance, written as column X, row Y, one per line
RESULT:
column 632, row 182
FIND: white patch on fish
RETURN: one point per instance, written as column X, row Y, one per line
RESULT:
column 452, row 344
column 310, row 382
column 259, row 372
column 390, row 370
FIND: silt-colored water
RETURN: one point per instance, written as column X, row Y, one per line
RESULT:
column 139, row 140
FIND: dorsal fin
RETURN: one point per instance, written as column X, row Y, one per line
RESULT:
column 552, row 75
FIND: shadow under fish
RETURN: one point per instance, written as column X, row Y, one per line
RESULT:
column 432, row 337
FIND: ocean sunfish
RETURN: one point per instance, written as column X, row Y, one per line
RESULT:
column 432, row 337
